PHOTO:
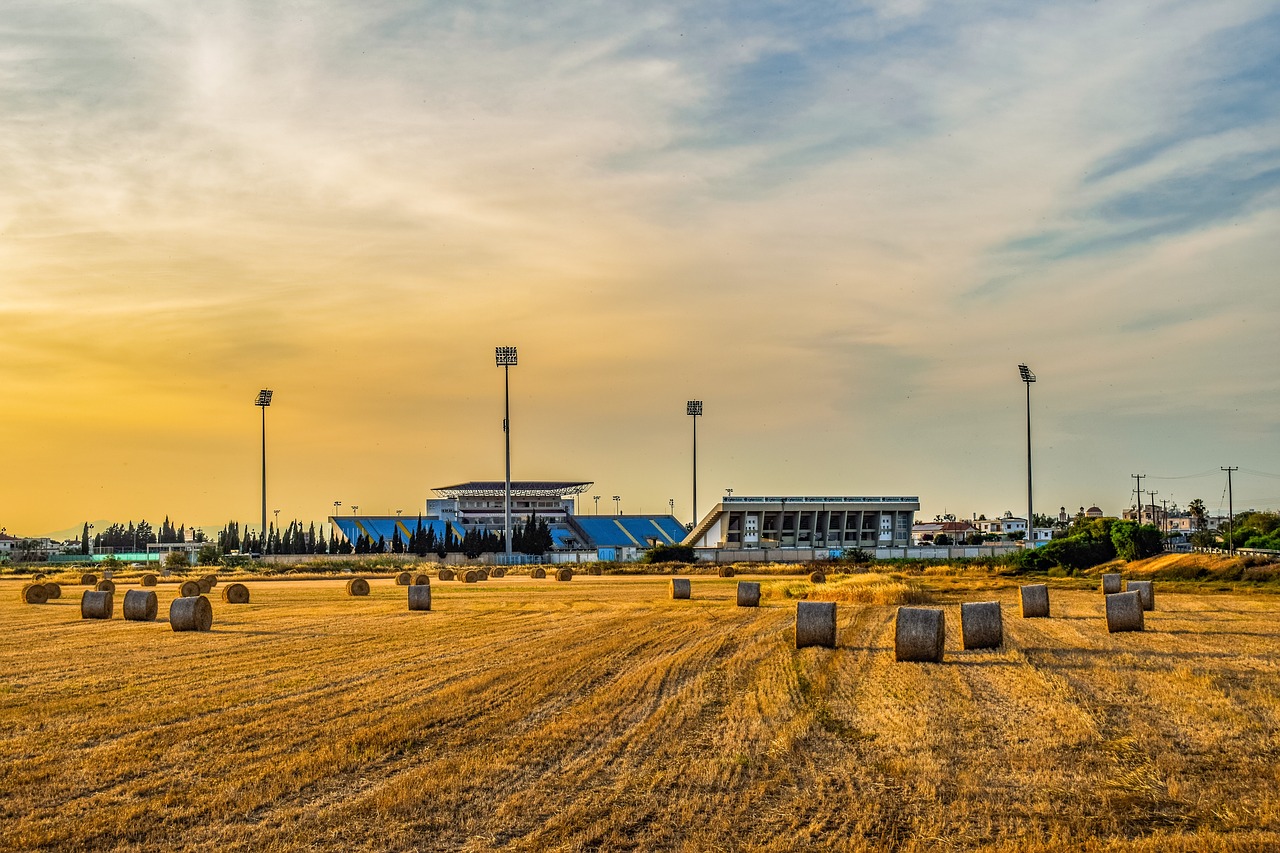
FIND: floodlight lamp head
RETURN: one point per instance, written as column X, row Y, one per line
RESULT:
column 264, row 398
column 693, row 407
column 1027, row 375
column 505, row 356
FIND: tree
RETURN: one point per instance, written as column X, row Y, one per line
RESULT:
column 209, row 554
column 1135, row 541
column 1199, row 515
column 84, row 539
column 942, row 539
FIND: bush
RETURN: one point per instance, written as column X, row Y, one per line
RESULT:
column 177, row 561
column 209, row 554
column 669, row 554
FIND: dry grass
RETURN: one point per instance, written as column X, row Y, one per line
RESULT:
column 867, row 588
column 600, row 715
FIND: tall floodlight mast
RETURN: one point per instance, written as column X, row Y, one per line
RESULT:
column 506, row 359
column 264, row 400
column 1028, row 377
column 693, row 409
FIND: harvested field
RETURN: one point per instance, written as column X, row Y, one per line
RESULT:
column 600, row 715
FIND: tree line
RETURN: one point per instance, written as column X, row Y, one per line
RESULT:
column 136, row 537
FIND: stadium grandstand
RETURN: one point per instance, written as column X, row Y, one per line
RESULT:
column 385, row 527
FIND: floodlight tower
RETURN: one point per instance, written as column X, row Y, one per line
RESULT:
column 506, row 359
column 1028, row 377
column 693, row 409
column 617, row 502
column 264, row 400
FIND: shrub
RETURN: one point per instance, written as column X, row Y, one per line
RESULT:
column 669, row 554
column 209, row 554
column 176, row 561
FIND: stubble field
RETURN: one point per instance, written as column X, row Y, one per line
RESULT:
column 601, row 715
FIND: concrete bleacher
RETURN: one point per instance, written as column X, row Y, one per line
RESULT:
column 630, row 531
column 385, row 527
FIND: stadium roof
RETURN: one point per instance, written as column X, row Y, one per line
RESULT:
column 519, row 488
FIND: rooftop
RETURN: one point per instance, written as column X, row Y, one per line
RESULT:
column 519, row 488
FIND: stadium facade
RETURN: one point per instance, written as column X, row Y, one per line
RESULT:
column 826, row 525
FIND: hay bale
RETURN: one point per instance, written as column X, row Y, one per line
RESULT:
column 34, row 593
column 1124, row 612
column 147, row 580
column 96, row 604
column 204, row 585
column 565, row 574
column 748, row 594
column 1035, row 600
column 497, row 572
column 106, row 585
column 817, row 577
column 443, row 574
column 472, row 576
column 595, row 571
column 404, row 579
column 140, row 605
column 1144, row 589
column 538, row 573
column 981, row 625
column 815, row 624
column 420, row 597
column 482, row 574
column 212, row 579
column 88, row 580
column 194, row 613
column 680, row 588
column 357, row 586
column 188, row 589
column 919, row 634
column 52, row 590
column 725, row 571
column 1111, row 584
column 235, row 593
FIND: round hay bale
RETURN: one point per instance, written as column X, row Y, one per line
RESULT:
column 88, row 580
column 680, row 588
column 497, row 572
column 212, row 579
column 96, row 604
column 1035, row 600
column 471, row 576
column 1111, row 584
column 52, row 590
column 38, row 576
column 815, row 624
column 1124, row 612
column 538, row 573
column 404, row 579
column 443, row 574
column 817, row 577
column 357, row 586
column 748, row 594
column 919, row 634
column 482, row 574
column 235, row 593
column 188, row 589
column 34, row 593
column 194, row 613
column 725, row 571
column 1144, row 589
column 981, row 625
column 147, row 580
column 595, row 571
column 106, row 585
column 565, row 574
column 420, row 597
column 204, row 585
column 140, row 605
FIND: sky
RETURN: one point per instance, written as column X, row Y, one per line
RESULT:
column 840, row 225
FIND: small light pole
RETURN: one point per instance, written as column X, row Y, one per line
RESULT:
column 672, row 503
column 506, row 358
column 354, row 509
column 1028, row 377
column 90, row 541
column 264, row 400
column 333, row 525
column 398, row 512
column 693, row 409
column 617, row 501
column 596, row 498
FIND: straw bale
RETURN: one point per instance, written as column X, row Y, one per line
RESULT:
column 1146, row 589
column 1124, row 612
column 817, row 577
column 564, row 574
column 193, row 613
column 404, row 579
column 189, row 588
column 96, row 604
column 147, row 580
column 1035, row 600
column 748, row 594
column 472, row 576
column 140, row 605
column 725, row 571
column 919, row 634
column 538, row 572
column 34, row 593
column 53, row 590
column 680, row 588
column 815, row 624
column 106, row 585
column 357, row 586
column 443, row 574
column 981, row 625
column 235, row 593
column 420, row 597
column 1111, row 584
column 88, row 579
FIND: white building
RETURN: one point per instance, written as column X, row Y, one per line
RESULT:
column 746, row 523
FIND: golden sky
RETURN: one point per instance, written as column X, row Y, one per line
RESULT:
column 841, row 230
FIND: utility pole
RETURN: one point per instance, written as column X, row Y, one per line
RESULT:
column 1164, row 527
column 1231, row 512
column 1138, row 490
column 1153, row 507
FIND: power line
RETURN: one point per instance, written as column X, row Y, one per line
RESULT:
column 1185, row 476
